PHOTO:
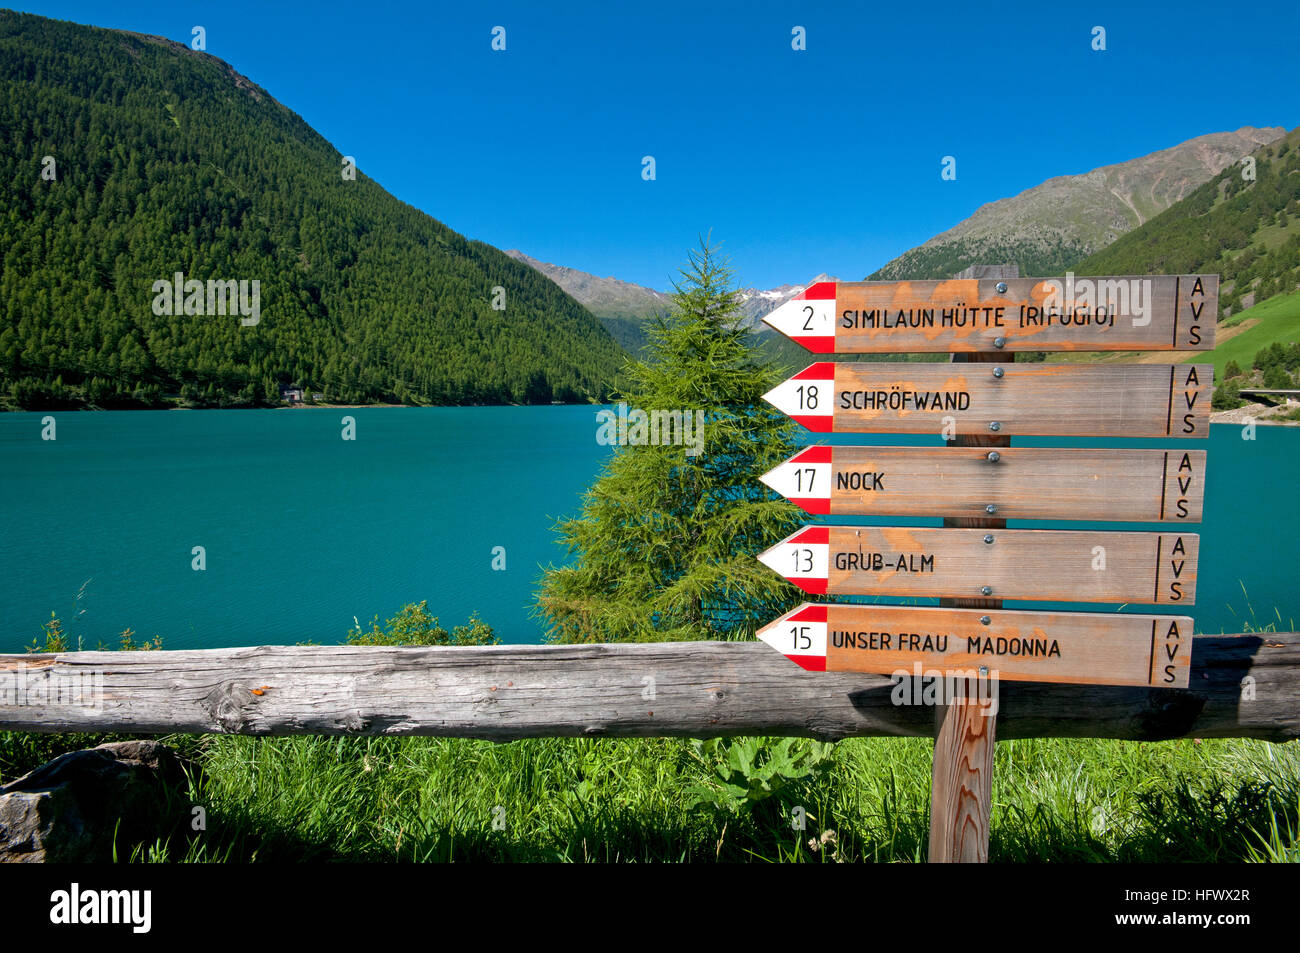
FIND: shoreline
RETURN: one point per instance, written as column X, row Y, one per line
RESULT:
column 1259, row 413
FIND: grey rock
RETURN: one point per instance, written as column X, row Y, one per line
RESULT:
column 72, row 808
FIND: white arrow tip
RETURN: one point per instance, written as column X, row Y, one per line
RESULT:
column 808, row 320
column 768, row 557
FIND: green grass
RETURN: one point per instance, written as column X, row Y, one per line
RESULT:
column 1270, row 237
column 1278, row 306
column 419, row 799
column 554, row 799
column 1279, row 320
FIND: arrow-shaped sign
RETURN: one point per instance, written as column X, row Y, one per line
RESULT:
column 808, row 317
column 1094, row 400
column 1046, row 565
column 1141, row 486
column 805, row 478
column 1158, row 313
column 1082, row 648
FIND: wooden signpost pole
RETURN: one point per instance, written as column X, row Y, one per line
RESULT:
column 965, row 730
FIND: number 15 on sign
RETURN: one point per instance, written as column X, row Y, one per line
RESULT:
column 807, row 639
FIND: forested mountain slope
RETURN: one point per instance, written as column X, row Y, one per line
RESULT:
column 125, row 159
column 1245, row 229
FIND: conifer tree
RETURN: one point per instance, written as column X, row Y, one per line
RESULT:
column 666, row 540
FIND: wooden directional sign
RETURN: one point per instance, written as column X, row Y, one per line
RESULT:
column 1141, row 486
column 977, row 402
column 1161, row 313
column 1001, row 564
column 1082, row 648
column 1101, row 400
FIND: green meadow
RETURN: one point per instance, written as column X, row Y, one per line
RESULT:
column 558, row 799
column 1279, row 322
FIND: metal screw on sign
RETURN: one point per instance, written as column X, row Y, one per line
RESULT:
column 985, row 620
column 991, row 509
column 988, row 538
column 999, row 342
column 986, row 590
column 994, row 456
column 984, row 671
column 995, row 426
column 998, row 372
column 1002, row 287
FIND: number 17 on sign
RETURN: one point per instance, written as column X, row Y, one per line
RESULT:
column 804, row 479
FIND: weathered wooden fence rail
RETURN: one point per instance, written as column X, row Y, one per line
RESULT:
column 1241, row 686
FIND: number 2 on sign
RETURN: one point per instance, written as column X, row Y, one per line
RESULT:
column 802, row 640
column 807, row 396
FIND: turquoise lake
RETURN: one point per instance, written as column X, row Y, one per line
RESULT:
column 303, row 531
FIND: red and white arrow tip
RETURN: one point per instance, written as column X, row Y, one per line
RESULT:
column 800, row 636
column 808, row 318
column 808, row 397
column 803, row 558
column 804, row 479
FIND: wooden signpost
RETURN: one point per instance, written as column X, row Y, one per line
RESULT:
column 1086, row 400
column 977, row 401
column 1147, row 486
column 1164, row 313
column 1030, row 564
column 1076, row 648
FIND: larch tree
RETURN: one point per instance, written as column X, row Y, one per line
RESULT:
column 666, row 539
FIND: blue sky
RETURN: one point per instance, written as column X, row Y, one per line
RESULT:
column 825, row 160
